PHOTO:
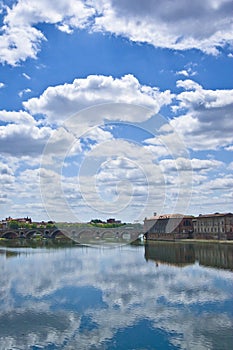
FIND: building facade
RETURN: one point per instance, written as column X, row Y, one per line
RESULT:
column 168, row 227
column 213, row 226
column 218, row 226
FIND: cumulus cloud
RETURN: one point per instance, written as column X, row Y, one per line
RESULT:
column 62, row 101
column 82, row 134
column 21, row 39
column 6, row 176
column 17, row 117
column 206, row 119
column 21, row 136
column 114, row 177
column 19, row 140
column 178, row 25
column 184, row 164
column 225, row 183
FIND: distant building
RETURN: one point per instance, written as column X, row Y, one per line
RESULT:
column 113, row 221
column 4, row 224
column 213, row 226
column 168, row 227
column 26, row 220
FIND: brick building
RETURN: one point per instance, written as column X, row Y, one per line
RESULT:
column 168, row 227
column 213, row 226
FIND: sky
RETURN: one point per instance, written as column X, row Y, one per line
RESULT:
column 113, row 108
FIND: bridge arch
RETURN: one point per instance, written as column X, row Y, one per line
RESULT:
column 109, row 234
column 126, row 235
column 10, row 234
column 32, row 233
column 85, row 234
column 59, row 233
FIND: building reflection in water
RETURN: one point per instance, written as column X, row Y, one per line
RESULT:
column 182, row 254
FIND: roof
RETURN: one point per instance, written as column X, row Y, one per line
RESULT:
column 212, row 215
column 168, row 216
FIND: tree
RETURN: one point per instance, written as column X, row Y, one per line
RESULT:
column 14, row 224
column 96, row 221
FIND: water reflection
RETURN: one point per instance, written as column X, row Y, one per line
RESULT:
column 182, row 254
column 85, row 298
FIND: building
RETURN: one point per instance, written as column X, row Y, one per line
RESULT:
column 113, row 221
column 213, row 226
column 168, row 227
column 4, row 224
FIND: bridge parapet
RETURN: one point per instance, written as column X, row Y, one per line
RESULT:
column 94, row 235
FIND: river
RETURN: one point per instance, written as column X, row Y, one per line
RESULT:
column 157, row 296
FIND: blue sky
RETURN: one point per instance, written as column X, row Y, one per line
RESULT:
column 115, row 108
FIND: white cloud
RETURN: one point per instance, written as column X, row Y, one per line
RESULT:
column 207, row 121
column 183, row 72
column 225, row 183
column 184, row 164
column 176, row 25
column 188, row 84
column 2, row 85
column 179, row 25
column 62, row 101
column 18, row 43
column 229, row 148
column 200, row 98
column 17, row 117
column 98, row 135
column 115, row 175
column 19, row 139
column 186, row 72
column 6, row 175
column 114, row 178
column 21, row 39
column 24, row 91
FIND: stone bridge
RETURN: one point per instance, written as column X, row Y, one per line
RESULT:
column 83, row 234
column 29, row 233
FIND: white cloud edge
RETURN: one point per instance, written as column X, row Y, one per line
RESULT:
column 22, row 40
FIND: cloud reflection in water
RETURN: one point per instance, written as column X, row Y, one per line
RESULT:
column 87, row 298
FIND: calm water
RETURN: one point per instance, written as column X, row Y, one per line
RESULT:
column 160, row 296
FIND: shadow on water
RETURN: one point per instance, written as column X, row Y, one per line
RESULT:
column 182, row 254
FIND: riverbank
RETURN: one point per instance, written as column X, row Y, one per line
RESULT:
column 204, row 241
